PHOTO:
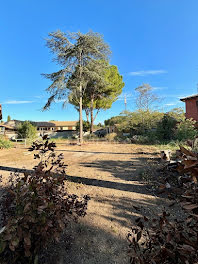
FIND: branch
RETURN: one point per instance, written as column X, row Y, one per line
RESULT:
column 96, row 114
column 87, row 114
column 49, row 101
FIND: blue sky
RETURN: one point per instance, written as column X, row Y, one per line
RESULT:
column 152, row 41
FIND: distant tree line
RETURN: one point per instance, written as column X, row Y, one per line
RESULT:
column 157, row 127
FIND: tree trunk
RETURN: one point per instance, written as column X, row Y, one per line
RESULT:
column 87, row 114
column 80, row 102
column 92, row 118
column 96, row 115
column 80, row 117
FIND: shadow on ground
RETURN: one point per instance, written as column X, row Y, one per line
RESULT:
column 107, row 152
column 83, row 243
column 94, row 152
column 124, row 170
column 139, row 188
column 126, row 210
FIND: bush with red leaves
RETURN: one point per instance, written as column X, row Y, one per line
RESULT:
column 40, row 207
column 165, row 241
column 161, row 241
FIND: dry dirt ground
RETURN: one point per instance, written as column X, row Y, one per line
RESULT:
column 109, row 174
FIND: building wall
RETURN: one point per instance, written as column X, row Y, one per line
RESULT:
column 11, row 134
column 62, row 134
column 192, row 108
column 56, row 128
column 1, row 117
column 2, row 130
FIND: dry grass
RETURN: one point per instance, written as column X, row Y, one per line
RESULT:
column 109, row 174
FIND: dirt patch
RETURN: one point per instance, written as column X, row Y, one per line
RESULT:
column 109, row 174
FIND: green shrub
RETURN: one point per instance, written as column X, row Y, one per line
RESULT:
column 166, row 128
column 111, row 136
column 139, row 139
column 27, row 130
column 39, row 208
column 186, row 130
column 86, row 126
column 152, row 137
column 91, row 136
column 5, row 143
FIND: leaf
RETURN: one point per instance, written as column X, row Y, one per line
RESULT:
column 12, row 248
column 194, row 178
column 15, row 242
column 136, row 208
column 137, row 219
column 56, row 236
column 190, row 206
column 141, row 225
column 162, row 187
column 189, row 163
column 2, row 246
column 2, row 229
column 11, row 192
column 168, row 237
column 195, row 215
column 180, row 168
column 45, row 137
column 168, row 186
column 27, row 241
column 139, row 235
column 186, row 248
column 36, row 259
column 26, row 208
column 27, row 253
column 61, row 224
column 187, row 152
column 7, row 236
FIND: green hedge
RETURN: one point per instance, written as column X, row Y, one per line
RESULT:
column 5, row 143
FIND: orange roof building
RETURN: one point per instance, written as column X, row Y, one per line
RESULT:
column 56, row 125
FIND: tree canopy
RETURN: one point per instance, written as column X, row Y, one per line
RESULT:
column 146, row 97
column 27, row 130
column 102, row 84
column 8, row 118
column 73, row 51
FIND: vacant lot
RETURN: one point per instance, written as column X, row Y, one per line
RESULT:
column 109, row 174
